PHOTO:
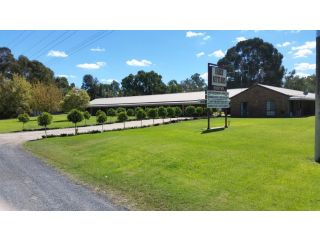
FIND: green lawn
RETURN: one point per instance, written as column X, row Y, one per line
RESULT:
column 59, row 121
column 256, row 164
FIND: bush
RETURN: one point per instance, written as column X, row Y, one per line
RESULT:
column 24, row 118
column 199, row 111
column 190, row 111
column 99, row 112
column 171, row 112
column 86, row 116
column 75, row 116
column 101, row 119
column 111, row 112
column 130, row 112
column 140, row 115
column 122, row 117
column 178, row 111
column 162, row 112
column 44, row 119
column 153, row 113
column 120, row 109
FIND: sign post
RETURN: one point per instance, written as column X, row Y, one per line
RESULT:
column 317, row 102
column 217, row 95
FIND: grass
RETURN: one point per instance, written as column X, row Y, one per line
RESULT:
column 59, row 121
column 256, row 164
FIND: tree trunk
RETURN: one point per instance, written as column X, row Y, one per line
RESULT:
column 102, row 128
column 75, row 129
column 153, row 121
column 45, row 130
column 124, row 124
column 141, row 123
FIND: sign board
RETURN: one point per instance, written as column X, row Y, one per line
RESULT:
column 217, row 95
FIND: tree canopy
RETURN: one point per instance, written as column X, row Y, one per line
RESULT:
column 253, row 61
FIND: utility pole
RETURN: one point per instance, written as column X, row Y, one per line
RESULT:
column 317, row 102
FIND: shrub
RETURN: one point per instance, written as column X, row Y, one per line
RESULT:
column 162, row 113
column 153, row 113
column 199, row 111
column 120, row 109
column 101, row 119
column 140, row 115
column 75, row 116
column 44, row 119
column 111, row 112
column 130, row 112
column 122, row 117
column 86, row 116
column 24, row 118
column 178, row 111
column 171, row 112
column 190, row 111
column 98, row 112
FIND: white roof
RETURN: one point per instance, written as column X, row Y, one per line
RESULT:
column 293, row 94
column 157, row 99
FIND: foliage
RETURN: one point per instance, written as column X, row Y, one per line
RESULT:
column 143, row 83
column 101, row 117
column 174, row 87
column 86, row 115
column 120, row 109
column 75, row 116
column 122, row 116
column 253, row 61
column 24, row 118
column 194, row 83
column 45, row 97
column 75, row 99
column 178, row 111
column 130, row 112
column 15, row 96
column 141, row 114
column 152, row 113
column 162, row 112
column 199, row 111
column 111, row 112
column 190, row 111
column 90, row 84
column 44, row 119
column 99, row 112
column 171, row 112
column 306, row 84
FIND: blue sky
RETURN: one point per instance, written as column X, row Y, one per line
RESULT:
column 176, row 55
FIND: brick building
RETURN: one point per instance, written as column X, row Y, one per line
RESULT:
column 268, row 101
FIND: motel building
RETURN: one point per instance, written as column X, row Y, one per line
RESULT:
column 256, row 101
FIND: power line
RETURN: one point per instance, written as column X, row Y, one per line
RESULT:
column 41, row 41
column 17, row 38
column 22, row 40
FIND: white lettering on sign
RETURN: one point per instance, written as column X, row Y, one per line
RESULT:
column 219, row 77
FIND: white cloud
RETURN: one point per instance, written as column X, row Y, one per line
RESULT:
column 200, row 54
column 139, row 63
column 191, row 34
column 66, row 76
column 304, row 66
column 301, row 74
column 204, row 76
column 306, row 45
column 108, row 81
column 97, row 49
column 56, row 53
column 218, row 54
column 206, row 38
column 239, row 39
column 96, row 65
column 302, row 53
column 284, row 44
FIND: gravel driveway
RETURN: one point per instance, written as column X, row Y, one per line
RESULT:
column 26, row 183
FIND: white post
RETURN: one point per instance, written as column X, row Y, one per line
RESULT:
column 317, row 102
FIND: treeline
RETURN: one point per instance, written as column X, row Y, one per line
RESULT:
column 296, row 82
column 141, row 83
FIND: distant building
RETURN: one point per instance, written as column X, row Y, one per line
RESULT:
column 256, row 101
column 268, row 101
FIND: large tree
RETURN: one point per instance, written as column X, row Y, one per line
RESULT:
column 15, row 96
column 173, row 87
column 75, row 99
column 143, row 83
column 253, row 61
column 296, row 82
column 91, row 85
column 193, row 84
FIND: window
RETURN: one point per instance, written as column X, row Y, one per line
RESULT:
column 271, row 108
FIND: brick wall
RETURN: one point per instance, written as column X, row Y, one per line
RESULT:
column 257, row 97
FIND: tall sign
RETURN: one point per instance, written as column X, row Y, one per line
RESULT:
column 217, row 95
column 317, row 103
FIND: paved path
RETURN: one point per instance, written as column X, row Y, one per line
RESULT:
column 26, row 183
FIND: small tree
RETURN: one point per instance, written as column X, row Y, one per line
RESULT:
column 101, row 119
column 171, row 112
column 120, row 109
column 190, row 111
column 178, row 111
column 44, row 119
column 111, row 112
column 153, row 113
column 98, row 112
column 24, row 118
column 130, row 112
column 140, row 115
column 86, row 116
column 163, row 113
column 75, row 116
column 199, row 111
column 122, row 117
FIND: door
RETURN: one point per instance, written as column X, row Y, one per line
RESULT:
column 244, row 109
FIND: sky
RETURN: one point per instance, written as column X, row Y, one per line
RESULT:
column 112, row 55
